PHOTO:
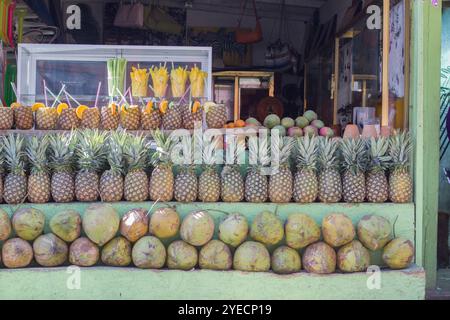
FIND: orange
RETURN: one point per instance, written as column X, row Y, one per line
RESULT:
column 113, row 107
column 80, row 110
column 163, row 106
column 196, row 106
column 231, row 126
column 124, row 108
column 240, row 123
column 61, row 107
column 149, row 107
column 15, row 105
column 37, row 106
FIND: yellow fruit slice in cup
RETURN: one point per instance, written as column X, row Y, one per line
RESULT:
column 149, row 107
column 37, row 106
column 163, row 106
column 61, row 107
column 196, row 106
column 15, row 105
column 113, row 108
column 80, row 110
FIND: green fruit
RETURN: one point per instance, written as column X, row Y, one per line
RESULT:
column 319, row 258
column 301, row 122
column 197, row 228
column 310, row 115
column 215, row 255
column 286, row 260
column 164, row 223
column 28, row 223
column 117, row 252
column 399, row 253
column 374, row 232
column 5, row 225
column 181, row 255
column 301, row 230
column 134, row 224
column 49, row 250
column 66, row 225
column 149, row 253
column 252, row 121
column 101, row 223
column 287, row 122
column 267, row 228
column 271, row 121
column 16, row 253
column 83, row 253
column 337, row 229
column 251, row 256
column 353, row 257
column 280, row 130
column 233, row 230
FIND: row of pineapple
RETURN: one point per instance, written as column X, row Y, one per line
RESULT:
column 169, row 116
column 89, row 165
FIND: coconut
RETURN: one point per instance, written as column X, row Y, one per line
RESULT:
column 311, row 131
column 337, row 229
column 399, row 253
column 164, row 223
column 267, row 228
column 310, row 115
column 100, row 223
column 197, row 228
column 149, row 253
column 5, row 225
column 66, row 225
column 83, row 252
column 286, row 260
column 318, row 124
column 280, row 130
column 28, row 223
column 215, row 255
column 17, row 253
column 49, row 250
column 233, row 230
column 319, row 258
column 374, row 231
column 326, row 132
column 117, row 252
column 287, row 122
column 353, row 257
column 271, row 121
column 251, row 256
column 301, row 230
column 134, row 224
column 181, row 255
column 301, row 122
column 295, row 132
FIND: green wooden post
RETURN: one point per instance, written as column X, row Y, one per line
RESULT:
column 425, row 84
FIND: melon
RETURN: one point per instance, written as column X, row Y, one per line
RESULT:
column 311, row 131
column 337, row 229
column 280, row 130
column 197, row 228
column 16, row 253
column 5, row 225
column 233, row 230
column 28, row 223
column 295, row 132
column 319, row 258
column 287, row 122
column 310, row 115
column 353, row 257
column 301, row 230
column 399, row 253
column 84, row 253
column 50, row 251
column 100, row 223
column 318, row 124
column 181, row 255
column 286, row 260
column 134, row 224
column 164, row 223
column 301, row 122
column 326, row 132
column 215, row 255
column 271, row 121
column 252, row 121
column 267, row 228
column 251, row 256
column 66, row 225
column 117, row 252
column 149, row 253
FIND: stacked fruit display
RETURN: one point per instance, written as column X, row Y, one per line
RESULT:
column 163, row 239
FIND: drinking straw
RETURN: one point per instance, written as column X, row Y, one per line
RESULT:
column 151, row 88
column 131, row 97
column 67, row 98
column 13, row 86
column 59, row 95
column 53, row 95
column 70, row 96
column 123, row 97
column 98, row 93
column 185, row 93
column 45, row 93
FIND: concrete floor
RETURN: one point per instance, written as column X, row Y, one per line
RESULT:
column 442, row 292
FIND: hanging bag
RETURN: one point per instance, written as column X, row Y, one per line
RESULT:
column 248, row 37
column 130, row 15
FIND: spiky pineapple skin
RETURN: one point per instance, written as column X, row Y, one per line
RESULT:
column 39, row 188
column 186, row 187
column 109, row 121
column 136, row 186
column 111, row 187
column 62, row 187
column 15, row 188
column 400, row 186
column 306, row 186
column 131, row 120
column 172, row 119
column 46, row 118
column 256, row 187
column 23, row 117
column 232, row 185
column 6, row 118
column 377, row 187
column 209, row 186
column 161, row 184
column 1, row 188
column 281, row 185
column 190, row 118
column 68, row 119
column 151, row 120
column 354, row 187
column 330, row 186
column 91, row 119
column 87, row 186
column 216, row 117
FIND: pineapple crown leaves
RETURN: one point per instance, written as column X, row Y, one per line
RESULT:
column 115, row 157
column 164, row 145
column 259, row 154
column 400, row 148
column 37, row 152
column 307, row 148
column 354, row 155
column 14, row 153
column 282, row 147
column 379, row 159
column 91, row 150
column 2, row 159
column 209, row 152
column 135, row 152
column 328, row 154
column 234, row 151
column 62, row 151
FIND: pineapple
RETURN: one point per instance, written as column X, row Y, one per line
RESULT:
column 62, row 149
column 216, row 115
column 91, row 118
column 231, row 178
column 330, row 183
column 68, row 119
column 6, row 118
column 15, row 187
column 46, row 118
column 136, row 180
column 281, row 182
column 110, row 117
column 186, row 183
column 2, row 160
column 162, row 180
column 39, row 186
column 354, row 164
column 191, row 114
column 111, row 181
column 377, row 187
column 151, row 117
column 23, row 117
column 400, row 180
column 306, row 184
column 91, row 156
column 130, row 117
column 209, row 187
column 256, row 183
column 171, row 117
